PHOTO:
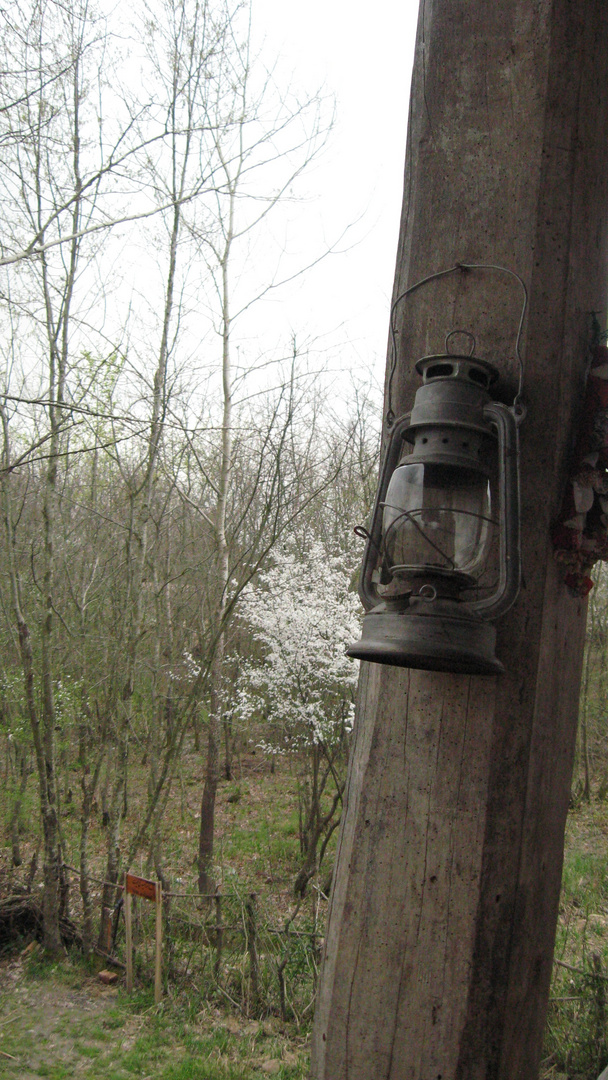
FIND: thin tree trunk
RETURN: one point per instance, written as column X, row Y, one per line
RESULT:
column 584, row 717
column 207, row 828
column 15, row 819
column 89, row 786
column 43, row 740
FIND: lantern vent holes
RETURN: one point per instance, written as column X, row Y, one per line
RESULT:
column 480, row 377
column 438, row 371
column 470, row 449
column 449, row 366
column 448, row 371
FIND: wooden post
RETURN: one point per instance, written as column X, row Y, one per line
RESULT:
column 599, row 993
column 250, row 923
column 442, row 918
column 219, row 934
column 128, row 936
column 106, row 927
column 158, row 987
column 149, row 890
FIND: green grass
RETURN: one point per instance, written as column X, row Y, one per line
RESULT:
column 585, row 879
column 44, row 1032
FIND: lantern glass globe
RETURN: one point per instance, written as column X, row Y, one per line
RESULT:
column 437, row 518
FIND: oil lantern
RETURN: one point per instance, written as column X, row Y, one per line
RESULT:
column 442, row 559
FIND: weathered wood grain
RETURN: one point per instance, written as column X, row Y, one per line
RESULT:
column 443, row 913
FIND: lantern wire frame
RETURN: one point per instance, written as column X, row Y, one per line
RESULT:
column 411, row 515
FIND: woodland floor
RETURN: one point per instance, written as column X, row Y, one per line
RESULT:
column 59, row 1021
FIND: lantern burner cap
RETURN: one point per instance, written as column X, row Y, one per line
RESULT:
column 449, row 366
column 432, row 582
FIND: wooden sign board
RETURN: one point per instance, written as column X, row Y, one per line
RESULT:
column 148, row 890
column 139, row 886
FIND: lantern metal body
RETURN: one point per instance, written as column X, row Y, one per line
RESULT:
column 442, row 556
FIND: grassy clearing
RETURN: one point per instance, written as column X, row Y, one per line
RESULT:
column 58, row 1021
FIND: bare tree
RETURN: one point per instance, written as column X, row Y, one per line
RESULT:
column 54, row 46
column 140, row 493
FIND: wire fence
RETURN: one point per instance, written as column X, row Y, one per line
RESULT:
column 227, row 946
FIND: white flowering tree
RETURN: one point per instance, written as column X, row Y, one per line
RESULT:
column 302, row 613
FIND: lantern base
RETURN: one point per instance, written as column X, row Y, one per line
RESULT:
column 449, row 639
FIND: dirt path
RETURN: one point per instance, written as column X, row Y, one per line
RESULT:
column 58, row 1022
column 52, row 1025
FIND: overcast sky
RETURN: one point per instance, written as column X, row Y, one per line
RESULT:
column 365, row 60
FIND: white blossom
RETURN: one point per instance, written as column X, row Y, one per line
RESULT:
column 303, row 614
column 188, row 672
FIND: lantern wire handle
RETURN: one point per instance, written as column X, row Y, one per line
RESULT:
column 518, row 405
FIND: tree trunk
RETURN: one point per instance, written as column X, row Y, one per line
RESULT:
column 89, row 786
column 43, row 737
column 207, row 829
column 212, row 768
column 444, row 906
column 21, row 767
column 584, row 711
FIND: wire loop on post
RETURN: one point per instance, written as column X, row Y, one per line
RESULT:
column 462, row 333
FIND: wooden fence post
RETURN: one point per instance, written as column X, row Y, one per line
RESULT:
column 599, row 995
column 219, row 933
column 128, row 937
column 250, row 923
column 159, row 940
